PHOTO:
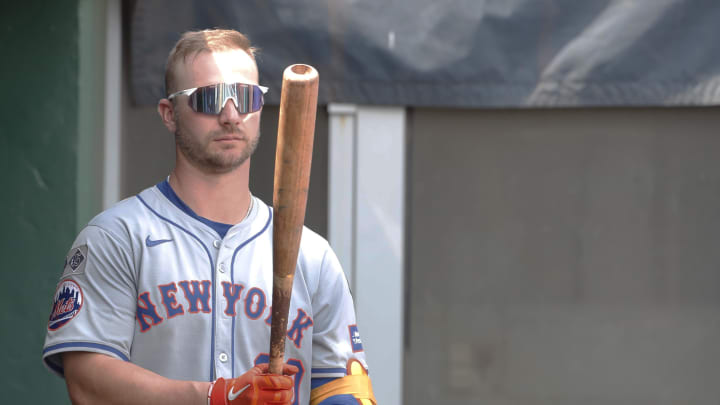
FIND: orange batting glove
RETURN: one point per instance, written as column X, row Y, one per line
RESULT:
column 256, row 387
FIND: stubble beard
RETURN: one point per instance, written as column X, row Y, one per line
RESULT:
column 198, row 152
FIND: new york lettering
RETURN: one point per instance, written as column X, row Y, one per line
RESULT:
column 194, row 296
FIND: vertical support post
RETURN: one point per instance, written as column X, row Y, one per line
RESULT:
column 367, row 162
column 91, row 47
column 341, row 185
column 113, row 109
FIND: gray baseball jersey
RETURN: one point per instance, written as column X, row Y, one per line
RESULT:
column 149, row 281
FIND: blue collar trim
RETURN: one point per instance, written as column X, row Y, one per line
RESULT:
column 219, row 227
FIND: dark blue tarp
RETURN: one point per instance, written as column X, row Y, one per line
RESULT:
column 455, row 53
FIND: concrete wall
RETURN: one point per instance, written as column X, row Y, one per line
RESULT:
column 563, row 257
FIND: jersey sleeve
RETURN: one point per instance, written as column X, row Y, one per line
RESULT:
column 94, row 305
column 336, row 336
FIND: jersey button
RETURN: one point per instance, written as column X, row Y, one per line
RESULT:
column 221, row 268
column 223, row 357
column 217, row 244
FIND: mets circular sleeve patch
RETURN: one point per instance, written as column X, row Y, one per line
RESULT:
column 67, row 304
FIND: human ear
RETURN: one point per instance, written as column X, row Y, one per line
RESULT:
column 166, row 109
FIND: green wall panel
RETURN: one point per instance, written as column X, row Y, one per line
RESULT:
column 38, row 160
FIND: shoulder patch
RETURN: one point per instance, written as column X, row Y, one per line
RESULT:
column 75, row 261
column 66, row 305
column 355, row 340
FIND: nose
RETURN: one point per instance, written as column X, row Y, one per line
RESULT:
column 229, row 115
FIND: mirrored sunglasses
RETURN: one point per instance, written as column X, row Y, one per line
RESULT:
column 211, row 99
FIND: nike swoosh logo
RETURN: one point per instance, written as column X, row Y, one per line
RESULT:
column 232, row 395
column 150, row 243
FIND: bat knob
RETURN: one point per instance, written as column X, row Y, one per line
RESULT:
column 300, row 73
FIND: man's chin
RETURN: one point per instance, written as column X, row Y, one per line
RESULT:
column 224, row 164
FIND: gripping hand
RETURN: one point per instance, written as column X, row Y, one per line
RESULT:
column 255, row 387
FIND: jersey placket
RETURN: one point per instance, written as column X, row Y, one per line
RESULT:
column 224, row 317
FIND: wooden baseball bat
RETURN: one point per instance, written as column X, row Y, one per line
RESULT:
column 296, row 128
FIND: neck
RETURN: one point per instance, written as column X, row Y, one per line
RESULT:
column 221, row 197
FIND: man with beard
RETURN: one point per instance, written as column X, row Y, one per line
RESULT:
column 165, row 297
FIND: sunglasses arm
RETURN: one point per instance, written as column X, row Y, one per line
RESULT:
column 186, row 91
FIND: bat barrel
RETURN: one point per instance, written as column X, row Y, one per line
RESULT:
column 293, row 157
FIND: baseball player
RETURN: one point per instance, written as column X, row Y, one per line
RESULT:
column 165, row 298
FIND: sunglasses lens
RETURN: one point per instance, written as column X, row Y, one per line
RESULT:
column 242, row 97
column 211, row 99
column 257, row 98
column 205, row 100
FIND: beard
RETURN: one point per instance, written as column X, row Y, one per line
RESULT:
column 198, row 149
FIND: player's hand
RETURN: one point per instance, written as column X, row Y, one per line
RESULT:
column 256, row 387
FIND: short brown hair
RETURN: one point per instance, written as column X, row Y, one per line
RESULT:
column 192, row 43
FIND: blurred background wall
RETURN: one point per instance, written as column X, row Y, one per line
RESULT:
column 563, row 256
column 547, row 241
column 39, row 154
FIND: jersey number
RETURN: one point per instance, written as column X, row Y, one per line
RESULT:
column 265, row 358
